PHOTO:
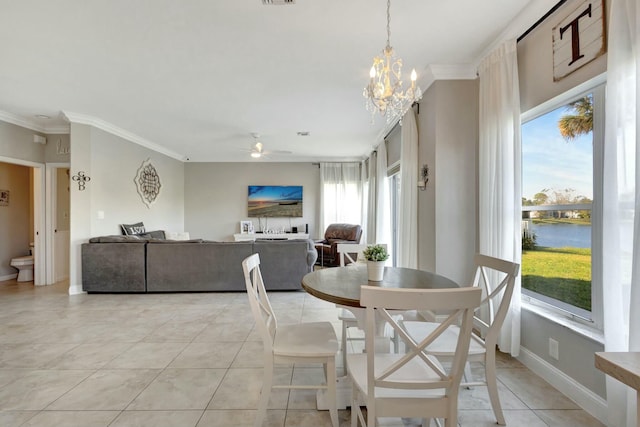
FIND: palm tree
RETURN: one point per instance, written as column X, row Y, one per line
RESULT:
column 579, row 123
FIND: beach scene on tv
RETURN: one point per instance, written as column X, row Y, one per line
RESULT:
column 275, row 201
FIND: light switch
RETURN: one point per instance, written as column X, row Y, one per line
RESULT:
column 100, row 214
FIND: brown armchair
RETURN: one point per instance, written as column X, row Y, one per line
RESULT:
column 328, row 247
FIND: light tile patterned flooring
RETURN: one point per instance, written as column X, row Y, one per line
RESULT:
column 183, row 360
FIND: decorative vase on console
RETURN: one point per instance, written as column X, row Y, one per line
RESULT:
column 376, row 255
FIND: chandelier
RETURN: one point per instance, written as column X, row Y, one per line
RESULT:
column 385, row 92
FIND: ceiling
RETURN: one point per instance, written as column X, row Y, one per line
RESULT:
column 195, row 78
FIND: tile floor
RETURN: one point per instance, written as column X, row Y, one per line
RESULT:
column 183, row 360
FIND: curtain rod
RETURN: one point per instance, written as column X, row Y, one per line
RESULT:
column 415, row 104
column 318, row 163
column 541, row 20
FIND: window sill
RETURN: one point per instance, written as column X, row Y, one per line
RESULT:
column 578, row 327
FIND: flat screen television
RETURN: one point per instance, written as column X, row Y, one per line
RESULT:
column 275, row 201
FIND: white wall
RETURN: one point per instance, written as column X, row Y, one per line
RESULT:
column 216, row 196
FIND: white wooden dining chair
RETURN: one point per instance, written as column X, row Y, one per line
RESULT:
column 347, row 250
column 346, row 316
column 496, row 278
column 286, row 344
column 412, row 384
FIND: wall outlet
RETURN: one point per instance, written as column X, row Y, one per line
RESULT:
column 554, row 351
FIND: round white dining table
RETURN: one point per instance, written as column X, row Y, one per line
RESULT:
column 341, row 285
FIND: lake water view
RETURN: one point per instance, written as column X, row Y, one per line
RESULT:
column 562, row 235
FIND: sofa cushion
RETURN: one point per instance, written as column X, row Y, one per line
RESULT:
column 130, row 229
column 114, row 266
column 156, row 234
column 175, row 242
column 118, row 239
column 283, row 263
column 179, row 266
column 174, row 235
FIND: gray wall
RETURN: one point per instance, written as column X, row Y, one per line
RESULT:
column 15, row 218
column 447, row 209
column 216, row 196
column 537, row 86
column 112, row 164
column 16, row 142
column 576, row 351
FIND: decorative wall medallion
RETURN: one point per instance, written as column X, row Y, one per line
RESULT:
column 81, row 179
column 147, row 183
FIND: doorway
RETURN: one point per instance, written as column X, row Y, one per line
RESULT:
column 38, row 221
column 57, row 222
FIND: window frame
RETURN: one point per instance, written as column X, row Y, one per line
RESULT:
column 394, row 201
column 596, row 86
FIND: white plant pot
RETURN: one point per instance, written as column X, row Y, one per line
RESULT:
column 375, row 270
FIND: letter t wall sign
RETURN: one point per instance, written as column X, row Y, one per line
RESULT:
column 579, row 38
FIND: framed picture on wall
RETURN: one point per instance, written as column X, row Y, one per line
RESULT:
column 246, row 227
column 4, row 197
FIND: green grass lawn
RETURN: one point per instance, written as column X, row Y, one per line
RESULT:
column 560, row 273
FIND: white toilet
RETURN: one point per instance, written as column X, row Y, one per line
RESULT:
column 24, row 264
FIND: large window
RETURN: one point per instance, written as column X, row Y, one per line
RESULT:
column 561, row 175
column 341, row 194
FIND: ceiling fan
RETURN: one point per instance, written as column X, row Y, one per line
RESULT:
column 257, row 149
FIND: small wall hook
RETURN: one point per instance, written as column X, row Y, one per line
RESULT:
column 424, row 175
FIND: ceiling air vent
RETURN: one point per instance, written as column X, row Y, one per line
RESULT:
column 269, row 2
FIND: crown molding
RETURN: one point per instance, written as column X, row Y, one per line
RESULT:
column 21, row 121
column 115, row 130
column 528, row 16
column 57, row 130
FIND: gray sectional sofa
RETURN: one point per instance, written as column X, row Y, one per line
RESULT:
column 132, row 264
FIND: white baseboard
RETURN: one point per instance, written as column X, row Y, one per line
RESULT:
column 8, row 277
column 75, row 289
column 595, row 405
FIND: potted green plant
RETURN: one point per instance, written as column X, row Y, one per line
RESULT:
column 376, row 255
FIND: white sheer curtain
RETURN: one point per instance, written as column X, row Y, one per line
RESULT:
column 372, row 199
column 499, row 172
column 340, row 194
column 364, row 205
column 383, row 205
column 621, row 221
column 408, row 218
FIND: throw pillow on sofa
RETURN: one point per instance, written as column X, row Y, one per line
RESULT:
column 133, row 229
column 173, row 235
